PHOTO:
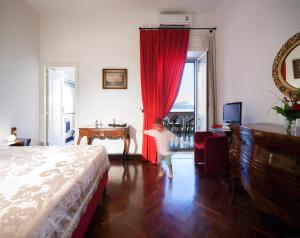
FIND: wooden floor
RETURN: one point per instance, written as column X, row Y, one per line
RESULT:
column 139, row 204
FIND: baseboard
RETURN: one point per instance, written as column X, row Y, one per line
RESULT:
column 130, row 156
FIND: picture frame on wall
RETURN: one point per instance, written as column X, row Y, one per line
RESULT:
column 296, row 68
column 114, row 78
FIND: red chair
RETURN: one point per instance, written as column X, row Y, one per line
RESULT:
column 211, row 150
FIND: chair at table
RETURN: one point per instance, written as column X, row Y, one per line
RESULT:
column 27, row 141
column 166, row 121
column 173, row 121
column 179, row 125
column 211, row 150
column 190, row 126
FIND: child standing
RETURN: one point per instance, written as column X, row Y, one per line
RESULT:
column 162, row 138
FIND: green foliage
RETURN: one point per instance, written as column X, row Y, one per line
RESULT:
column 296, row 93
column 288, row 109
column 287, row 113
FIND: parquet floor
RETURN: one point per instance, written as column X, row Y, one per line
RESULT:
column 139, row 204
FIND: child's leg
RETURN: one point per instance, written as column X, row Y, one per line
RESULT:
column 159, row 163
column 169, row 164
column 170, row 172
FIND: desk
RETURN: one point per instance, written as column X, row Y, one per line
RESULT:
column 221, row 130
column 111, row 133
column 225, row 131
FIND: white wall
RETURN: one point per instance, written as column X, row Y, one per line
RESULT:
column 19, row 67
column 106, row 38
column 249, row 35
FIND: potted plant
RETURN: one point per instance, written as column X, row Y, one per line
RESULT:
column 290, row 110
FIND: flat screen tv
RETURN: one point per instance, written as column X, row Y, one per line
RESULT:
column 232, row 112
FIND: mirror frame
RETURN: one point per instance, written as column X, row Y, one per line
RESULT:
column 281, row 84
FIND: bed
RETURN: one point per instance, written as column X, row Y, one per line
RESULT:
column 50, row 191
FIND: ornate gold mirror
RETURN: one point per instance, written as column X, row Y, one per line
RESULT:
column 286, row 66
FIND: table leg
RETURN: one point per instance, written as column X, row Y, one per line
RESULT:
column 124, row 155
column 127, row 145
column 79, row 139
column 89, row 140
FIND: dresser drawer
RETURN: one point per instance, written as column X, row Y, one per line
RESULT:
column 270, row 189
column 113, row 134
column 104, row 133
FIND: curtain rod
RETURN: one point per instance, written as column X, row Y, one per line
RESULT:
column 170, row 28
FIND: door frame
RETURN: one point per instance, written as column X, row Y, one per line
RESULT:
column 43, row 98
column 202, row 55
column 194, row 61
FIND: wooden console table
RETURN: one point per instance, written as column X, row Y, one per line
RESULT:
column 107, row 133
column 267, row 162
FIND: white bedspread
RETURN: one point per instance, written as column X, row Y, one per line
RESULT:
column 44, row 190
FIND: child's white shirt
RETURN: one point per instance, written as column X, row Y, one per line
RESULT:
column 162, row 139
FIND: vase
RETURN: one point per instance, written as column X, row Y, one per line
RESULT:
column 290, row 125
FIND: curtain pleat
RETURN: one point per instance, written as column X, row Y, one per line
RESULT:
column 163, row 56
column 211, row 74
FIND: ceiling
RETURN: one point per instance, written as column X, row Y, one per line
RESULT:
column 80, row 6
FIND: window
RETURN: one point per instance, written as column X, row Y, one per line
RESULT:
column 185, row 99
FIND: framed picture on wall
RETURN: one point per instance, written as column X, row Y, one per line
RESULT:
column 114, row 79
column 296, row 68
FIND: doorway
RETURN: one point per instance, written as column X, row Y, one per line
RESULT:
column 201, row 122
column 189, row 112
column 60, row 105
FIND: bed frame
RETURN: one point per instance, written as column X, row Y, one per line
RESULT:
column 88, row 214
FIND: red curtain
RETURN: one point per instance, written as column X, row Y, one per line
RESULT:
column 163, row 55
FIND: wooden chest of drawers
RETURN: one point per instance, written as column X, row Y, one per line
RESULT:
column 267, row 161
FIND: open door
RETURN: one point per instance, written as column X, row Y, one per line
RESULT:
column 60, row 105
column 54, row 107
column 201, row 93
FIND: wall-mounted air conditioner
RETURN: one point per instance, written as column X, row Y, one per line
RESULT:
column 167, row 19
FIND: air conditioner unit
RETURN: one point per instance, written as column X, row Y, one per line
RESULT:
column 169, row 20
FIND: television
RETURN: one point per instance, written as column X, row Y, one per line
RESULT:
column 232, row 112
